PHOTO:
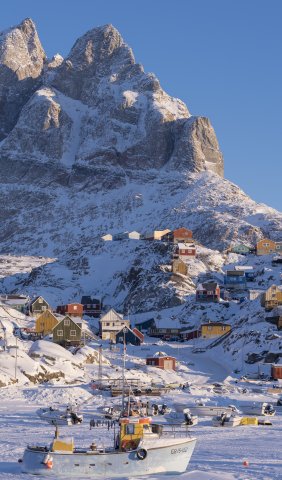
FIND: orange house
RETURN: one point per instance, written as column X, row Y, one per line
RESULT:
column 266, row 246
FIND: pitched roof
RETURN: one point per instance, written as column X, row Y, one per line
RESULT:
column 138, row 333
column 213, row 324
column 87, row 299
column 184, row 245
column 71, row 319
column 36, row 298
column 112, row 311
column 207, row 286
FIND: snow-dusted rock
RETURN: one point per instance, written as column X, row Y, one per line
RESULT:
column 130, row 121
column 21, row 63
column 88, row 354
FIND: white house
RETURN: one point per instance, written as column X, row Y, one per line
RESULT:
column 110, row 324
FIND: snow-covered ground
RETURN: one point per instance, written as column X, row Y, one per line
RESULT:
column 220, row 452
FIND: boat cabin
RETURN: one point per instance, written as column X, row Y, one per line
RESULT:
column 133, row 429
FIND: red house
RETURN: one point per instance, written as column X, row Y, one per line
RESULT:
column 276, row 371
column 189, row 334
column 185, row 250
column 73, row 309
column 161, row 360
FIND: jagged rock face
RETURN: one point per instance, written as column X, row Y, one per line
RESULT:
column 199, row 147
column 42, row 129
column 120, row 115
column 21, row 64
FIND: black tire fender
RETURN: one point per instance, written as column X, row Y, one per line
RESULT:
column 141, row 453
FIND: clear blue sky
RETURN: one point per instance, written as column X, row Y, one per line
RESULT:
column 221, row 57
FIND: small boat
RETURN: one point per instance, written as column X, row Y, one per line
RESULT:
column 190, row 419
column 226, row 420
column 140, row 448
column 179, row 418
column 55, row 416
column 202, row 410
column 258, row 408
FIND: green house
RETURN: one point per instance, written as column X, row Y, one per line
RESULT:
column 241, row 249
column 67, row 332
column 37, row 306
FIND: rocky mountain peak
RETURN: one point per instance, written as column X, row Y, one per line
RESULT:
column 21, row 63
column 21, row 51
column 100, row 45
column 95, row 109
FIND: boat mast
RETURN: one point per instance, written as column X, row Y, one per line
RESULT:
column 123, row 369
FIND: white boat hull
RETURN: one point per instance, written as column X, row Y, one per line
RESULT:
column 228, row 422
column 208, row 411
column 256, row 409
column 162, row 457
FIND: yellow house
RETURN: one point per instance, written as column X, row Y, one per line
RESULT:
column 178, row 266
column 158, row 234
column 266, row 246
column 214, row 329
column 45, row 322
column 271, row 298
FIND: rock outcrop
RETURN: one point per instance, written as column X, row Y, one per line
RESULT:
column 21, row 64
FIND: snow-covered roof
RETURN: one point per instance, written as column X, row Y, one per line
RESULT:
column 185, row 245
column 160, row 354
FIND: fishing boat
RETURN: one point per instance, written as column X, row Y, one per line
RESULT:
column 55, row 416
column 140, row 448
column 226, row 420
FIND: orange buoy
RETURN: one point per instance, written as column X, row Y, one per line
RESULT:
column 49, row 464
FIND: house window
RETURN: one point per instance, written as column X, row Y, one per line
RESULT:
column 209, row 327
column 40, row 300
column 88, row 306
column 107, row 324
column 75, row 307
column 43, row 308
column 60, row 333
column 67, row 321
column 73, row 333
column 266, row 244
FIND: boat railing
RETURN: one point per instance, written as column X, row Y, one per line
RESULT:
column 172, row 430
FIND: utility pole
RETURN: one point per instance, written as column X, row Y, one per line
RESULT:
column 16, row 360
column 100, row 367
column 125, row 330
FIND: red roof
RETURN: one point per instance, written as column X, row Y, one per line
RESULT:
column 138, row 334
column 182, row 232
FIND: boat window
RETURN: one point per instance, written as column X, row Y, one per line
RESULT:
column 130, row 429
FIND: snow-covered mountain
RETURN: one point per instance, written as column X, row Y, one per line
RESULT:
column 91, row 144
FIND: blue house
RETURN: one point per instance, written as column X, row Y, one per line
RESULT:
column 235, row 280
column 249, row 271
column 130, row 336
column 145, row 325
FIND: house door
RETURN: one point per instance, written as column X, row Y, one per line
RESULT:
column 168, row 364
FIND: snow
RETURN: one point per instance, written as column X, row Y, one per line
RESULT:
column 220, row 453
